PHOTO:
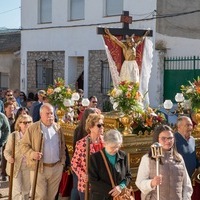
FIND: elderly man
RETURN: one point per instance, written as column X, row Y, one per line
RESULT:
column 51, row 156
column 185, row 143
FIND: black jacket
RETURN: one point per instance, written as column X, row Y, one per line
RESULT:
column 99, row 178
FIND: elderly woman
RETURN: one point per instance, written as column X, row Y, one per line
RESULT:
column 94, row 128
column 173, row 181
column 21, row 176
column 101, row 187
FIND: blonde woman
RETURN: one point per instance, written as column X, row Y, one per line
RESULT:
column 21, row 175
column 94, row 128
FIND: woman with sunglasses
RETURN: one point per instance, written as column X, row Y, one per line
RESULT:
column 94, row 127
column 101, row 187
column 21, row 175
column 173, row 181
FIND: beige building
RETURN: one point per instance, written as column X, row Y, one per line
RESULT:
column 10, row 41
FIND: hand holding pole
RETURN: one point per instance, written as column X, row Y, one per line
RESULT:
column 156, row 150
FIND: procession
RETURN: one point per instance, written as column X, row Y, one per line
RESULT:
column 101, row 103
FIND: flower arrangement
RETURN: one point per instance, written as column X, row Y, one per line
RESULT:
column 192, row 92
column 148, row 120
column 58, row 93
column 126, row 97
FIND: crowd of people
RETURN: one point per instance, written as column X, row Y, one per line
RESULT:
column 39, row 150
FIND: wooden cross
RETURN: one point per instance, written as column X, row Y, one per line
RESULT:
column 126, row 19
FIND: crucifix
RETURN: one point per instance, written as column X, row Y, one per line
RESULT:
column 124, row 49
column 126, row 20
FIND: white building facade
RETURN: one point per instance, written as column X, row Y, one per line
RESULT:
column 59, row 39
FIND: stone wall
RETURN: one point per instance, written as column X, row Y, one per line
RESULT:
column 58, row 66
column 94, row 83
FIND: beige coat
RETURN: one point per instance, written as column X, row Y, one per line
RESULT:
column 18, row 153
column 31, row 143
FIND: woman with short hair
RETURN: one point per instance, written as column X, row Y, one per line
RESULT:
column 101, row 187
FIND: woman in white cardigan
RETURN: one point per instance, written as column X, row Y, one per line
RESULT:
column 173, row 180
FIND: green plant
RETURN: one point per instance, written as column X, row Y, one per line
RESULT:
column 192, row 92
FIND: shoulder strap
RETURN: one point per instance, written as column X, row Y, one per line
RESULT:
column 108, row 169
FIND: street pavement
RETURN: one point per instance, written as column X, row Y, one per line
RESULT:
column 4, row 189
column 4, row 186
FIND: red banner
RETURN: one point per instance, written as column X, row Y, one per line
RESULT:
column 116, row 51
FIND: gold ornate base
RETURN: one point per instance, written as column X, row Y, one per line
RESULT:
column 127, row 121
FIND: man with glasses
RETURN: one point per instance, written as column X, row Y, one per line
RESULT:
column 93, row 104
column 8, row 94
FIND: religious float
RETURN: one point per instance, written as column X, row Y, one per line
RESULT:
column 130, row 114
column 135, row 124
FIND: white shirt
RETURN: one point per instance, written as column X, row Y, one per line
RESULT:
column 51, row 144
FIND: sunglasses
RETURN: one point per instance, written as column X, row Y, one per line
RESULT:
column 100, row 125
column 94, row 101
column 9, row 95
column 28, row 122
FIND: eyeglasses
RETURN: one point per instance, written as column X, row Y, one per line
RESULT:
column 100, row 125
column 28, row 122
column 165, row 139
column 94, row 101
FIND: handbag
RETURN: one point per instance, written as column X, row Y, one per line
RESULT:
column 66, row 183
column 127, row 193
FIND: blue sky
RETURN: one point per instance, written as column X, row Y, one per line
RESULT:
column 10, row 13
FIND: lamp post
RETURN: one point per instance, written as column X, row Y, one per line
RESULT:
column 75, row 98
column 85, row 102
column 168, row 106
column 179, row 98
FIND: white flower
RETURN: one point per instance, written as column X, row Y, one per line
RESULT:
column 67, row 102
column 57, row 90
column 118, row 92
column 190, row 90
column 115, row 105
column 112, row 100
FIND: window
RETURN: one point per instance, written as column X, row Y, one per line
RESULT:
column 4, row 80
column 77, row 8
column 45, row 11
column 114, row 7
column 44, row 73
column 106, row 80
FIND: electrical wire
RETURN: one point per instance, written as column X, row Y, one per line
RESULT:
column 154, row 15
column 9, row 10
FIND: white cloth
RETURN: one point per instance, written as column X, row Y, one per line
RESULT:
column 129, row 71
